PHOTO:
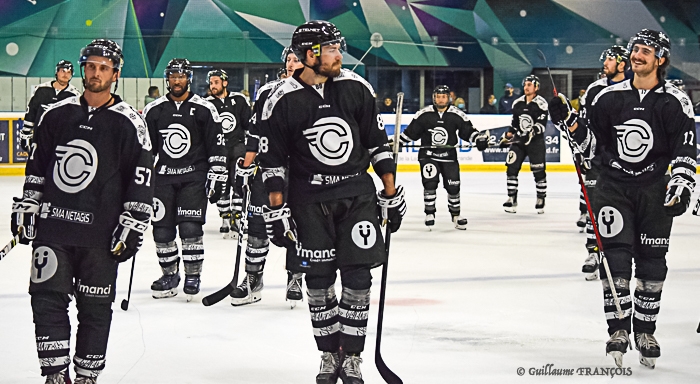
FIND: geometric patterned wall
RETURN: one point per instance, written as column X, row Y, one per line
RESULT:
column 504, row 35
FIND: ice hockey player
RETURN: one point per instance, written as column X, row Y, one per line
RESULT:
column 258, row 244
column 44, row 95
column 323, row 126
column 642, row 126
column 234, row 111
column 83, row 219
column 526, row 139
column 439, row 128
column 187, row 138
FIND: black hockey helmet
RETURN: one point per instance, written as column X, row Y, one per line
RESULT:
column 281, row 72
column 678, row 83
column 618, row 52
column 442, row 90
column 656, row 39
column 533, row 79
column 285, row 53
column 178, row 66
column 105, row 48
column 313, row 35
column 64, row 64
column 217, row 72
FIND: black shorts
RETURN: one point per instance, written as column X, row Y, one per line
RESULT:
column 89, row 273
column 432, row 169
column 536, row 152
column 335, row 234
column 177, row 203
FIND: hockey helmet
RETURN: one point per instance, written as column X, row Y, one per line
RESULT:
column 64, row 64
column 444, row 90
column 281, row 72
column 217, row 72
column 656, row 39
column 533, row 79
column 105, row 48
column 178, row 66
column 678, row 83
column 618, row 52
column 285, row 53
column 313, row 35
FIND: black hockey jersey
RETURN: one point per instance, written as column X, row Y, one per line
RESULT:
column 234, row 112
column 186, row 136
column 328, row 134
column 530, row 116
column 86, row 169
column 640, row 133
column 44, row 95
column 438, row 129
column 253, row 143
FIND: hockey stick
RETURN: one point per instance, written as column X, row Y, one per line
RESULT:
column 125, row 302
column 225, row 291
column 387, row 374
column 588, row 202
column 13, row 243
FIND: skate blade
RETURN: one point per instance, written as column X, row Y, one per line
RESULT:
column 164, row 294
column 510, row 210
column 649, row 362
column 540, row 211
column 592, row 276
column 253, row 298
column 293, row 302
column 617, row 355
column 461, row 227
column 580, row 230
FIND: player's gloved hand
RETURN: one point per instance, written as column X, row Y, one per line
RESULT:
column 281, row 228
column 24, row 215
column 678, row 195
column 26, row 137
column 506, row 139
column 562, row 112
column 391, row 144
column 482, row 140
column 244, row 175
column 392, row 208
column 127, row 237
column 216, row 182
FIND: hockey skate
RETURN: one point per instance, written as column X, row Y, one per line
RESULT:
column 294, row 293
column 225, row 223
column 59, row 378
column 166, row 286
column 648, row 348
column 330, row 365
column 429, row 220
column 249, row 291
column 350, row 371
column 459, row 222
column 539, row 205
column 617, row 346
column 191, row 286
column 85, row 380
column 590, row 267
column 511, row 205
column 581, row 223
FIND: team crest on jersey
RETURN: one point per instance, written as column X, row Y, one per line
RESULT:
column 364, row 235
column 76, row 166
column 438, row 135
column 526, row 122
column 634, row 140
column 610, row 221
column 176, row 140
column 511, row 157
column 158, row 210
column 429, row 171
column 228, row 121
column 330, row 140
column 44, row 264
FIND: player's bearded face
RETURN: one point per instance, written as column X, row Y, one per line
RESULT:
column 178, row 84
column 99, row 74
column 292, row 64
column 610, row 66
column 64, row 75
column 331, row 60
column 441, row 100
column 529, row 88
column 216, row 86
column 642, row 60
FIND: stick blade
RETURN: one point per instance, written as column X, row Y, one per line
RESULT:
column 387, row 374
column 125, row 305
column 541, row 55
column 217, row 296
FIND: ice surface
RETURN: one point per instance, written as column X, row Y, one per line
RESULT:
column 462, row 306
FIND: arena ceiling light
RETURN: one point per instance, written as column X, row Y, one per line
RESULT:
column 377, row 41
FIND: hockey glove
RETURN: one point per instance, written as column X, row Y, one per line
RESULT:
column 24, row 215
column 392, row 208
column 216, row 182
column 127, row 237
column 26, row 137
column 244, row 176
column 678, row 195
column 281, row 228
column 562, row 112
column 482, row 140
